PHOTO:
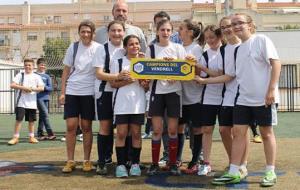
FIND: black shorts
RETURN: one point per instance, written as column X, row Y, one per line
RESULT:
column 226, row 116
column 138, row 119
column 104, row 106
column 245, row 115
column 30, row 114
column 83, row 106
column 161, row 102
column 209, row 114
column 191, row 113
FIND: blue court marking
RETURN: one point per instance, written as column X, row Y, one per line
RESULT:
column 10, row 168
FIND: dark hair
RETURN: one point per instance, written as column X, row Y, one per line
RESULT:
column 161, row 14
column 127, row 38
column 87, row 23
column 197, row 30
column 213, row 28
column 160, row 23
column 116, row 22
column 40, row 60
column 26, row 60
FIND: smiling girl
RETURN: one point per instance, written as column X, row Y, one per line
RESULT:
column 129, row 109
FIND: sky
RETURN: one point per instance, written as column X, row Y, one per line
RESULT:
column 6, row 2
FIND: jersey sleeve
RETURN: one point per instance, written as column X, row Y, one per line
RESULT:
column 269, row 49
column 39, row 81
column 203, row 63
column 181, row 51
column 99, row 57
column 68, row 60
column 17, row 78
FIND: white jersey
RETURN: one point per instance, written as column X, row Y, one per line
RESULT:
column 175, row 51
column 82, row 80
column 231, row 86
column 191, row 90
column 99, row 62
column 129, row 99
column 32, row 80
column 212, row 93
column 253, row 70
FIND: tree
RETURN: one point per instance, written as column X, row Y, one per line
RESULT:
column 54, row 52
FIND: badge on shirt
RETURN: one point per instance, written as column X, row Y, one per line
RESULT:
column 178, row 69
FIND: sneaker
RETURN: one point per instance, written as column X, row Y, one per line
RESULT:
column 121, row 171
column 163, row 161
column 269, row 179
column 257, row 139
column 80, row 138
column 69, row 167
column 101, row 169
column 243, row 173
column 204, row 169
column 13, row 141
column 146, row 136
column 174, row 170
column 42, row 138
column 51, row 137
column 153, row 170
column 63, row 139
column 128, row 165
column 87, row 166
column 226, row 179
column 33, row 140
column 108, row 160
column 179, row 163
column 135, row 170
column 192, row 168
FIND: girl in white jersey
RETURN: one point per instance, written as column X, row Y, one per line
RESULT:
column 77, row 93
column 103, row 90
column 129, row 104
column 189, row 33
column 211, row 94
column 165, row 96
column 229, row 91
column 257, row 69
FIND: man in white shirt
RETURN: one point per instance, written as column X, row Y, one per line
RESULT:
column 120, row 12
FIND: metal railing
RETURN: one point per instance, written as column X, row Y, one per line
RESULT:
column 289, row 89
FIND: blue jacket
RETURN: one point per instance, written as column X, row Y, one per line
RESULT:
column 44, row 95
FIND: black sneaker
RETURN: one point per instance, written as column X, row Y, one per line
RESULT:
column 101, row 169
column 153, row 170
column 174, row 170
column 108, row 160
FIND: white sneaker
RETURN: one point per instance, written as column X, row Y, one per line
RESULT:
column 80, row 137
column 63, row 139
column 162, row 163
column 243, row 173
column 204, row 169
column 147, row 136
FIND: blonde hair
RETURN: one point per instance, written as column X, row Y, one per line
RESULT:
column 249, row 21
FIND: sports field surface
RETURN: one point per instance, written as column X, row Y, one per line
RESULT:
column 38, row 166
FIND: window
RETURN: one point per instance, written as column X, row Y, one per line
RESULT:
column 38, row 20
column 86, row 16
column 2, row 20
column 4, row 40
column 11, row 20
column 76, row 16
column 57, row 19
column 49, row 35
column 106, row 18
column 65, row 35
column 32, row 36
column 288, row 76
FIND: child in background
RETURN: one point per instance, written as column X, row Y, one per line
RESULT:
column 28, row 84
